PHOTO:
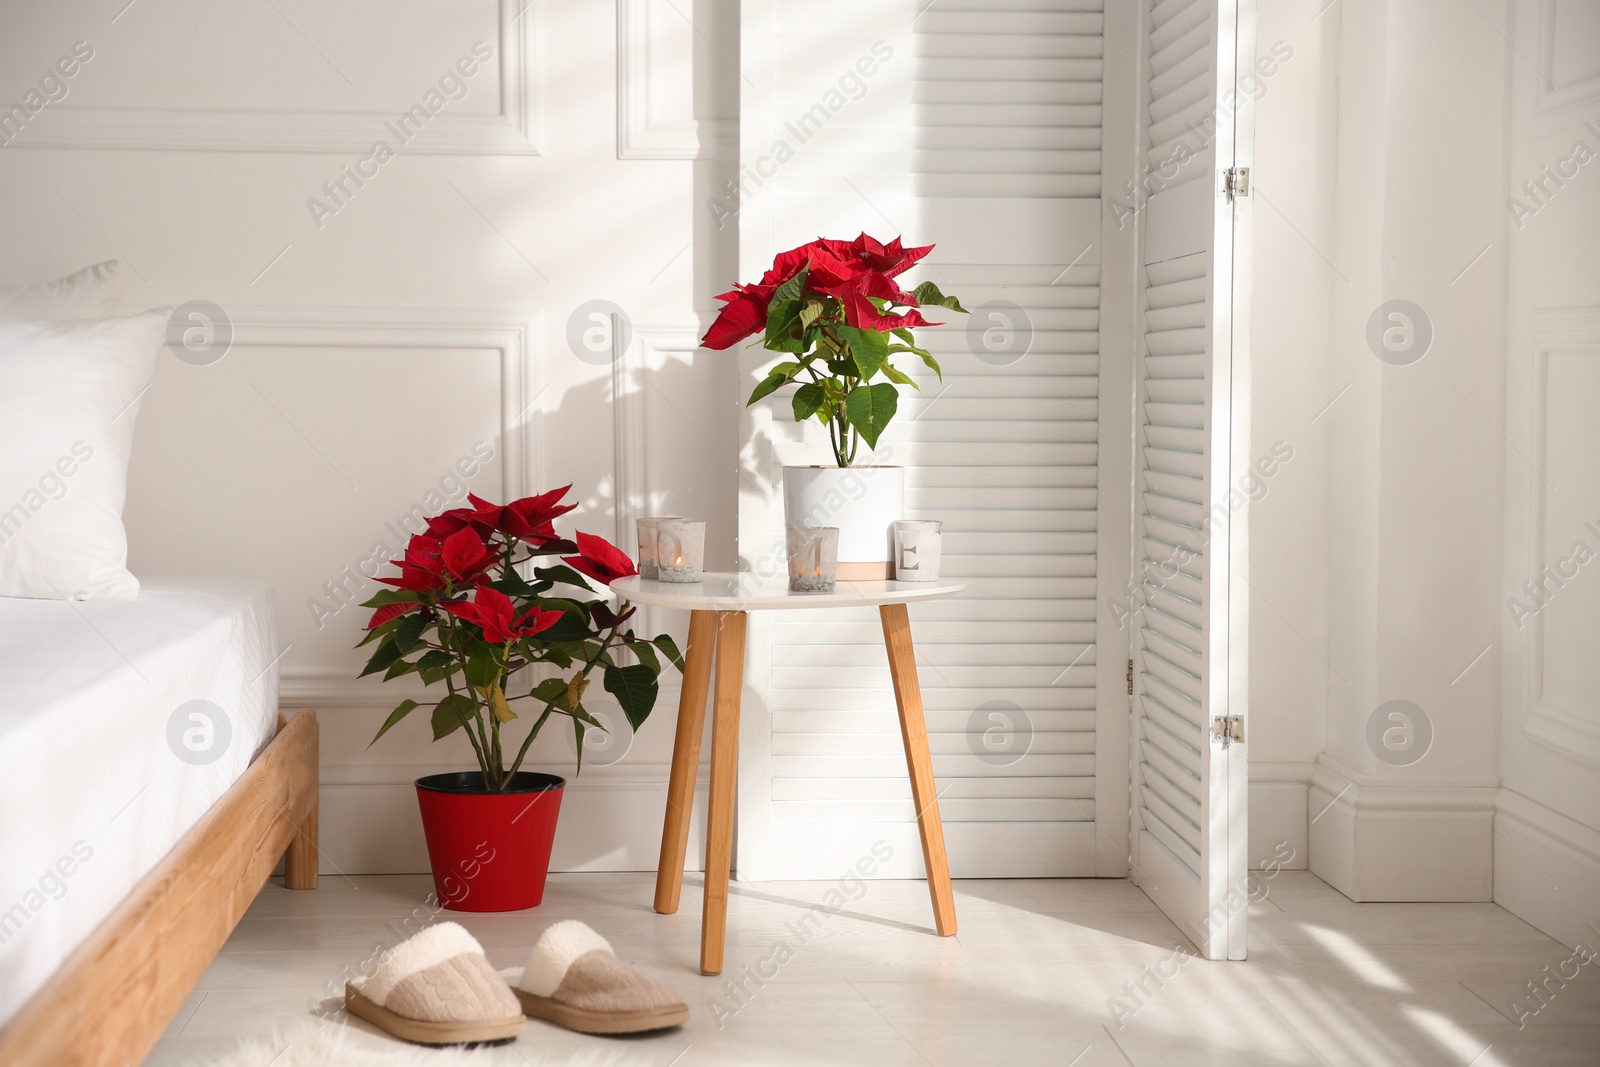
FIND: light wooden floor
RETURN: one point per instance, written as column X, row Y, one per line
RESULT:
column 1027, row 981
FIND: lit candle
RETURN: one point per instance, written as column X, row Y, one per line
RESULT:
column 682, row 545
column 812, row 555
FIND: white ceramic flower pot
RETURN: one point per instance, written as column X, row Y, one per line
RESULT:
column 863, row 502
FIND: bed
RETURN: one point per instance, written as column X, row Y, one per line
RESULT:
column 148, row 786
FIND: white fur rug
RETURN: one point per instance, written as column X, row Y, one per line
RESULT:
column 310, row 1044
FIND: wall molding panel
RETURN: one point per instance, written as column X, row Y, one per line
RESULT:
column 516, row 130
column 642, row 133
column 507, row 332
column 633, row 415
column 1569, row 332
column 1557, row 105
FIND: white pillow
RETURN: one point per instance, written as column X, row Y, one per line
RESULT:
column 91, row 293
column 69, row 395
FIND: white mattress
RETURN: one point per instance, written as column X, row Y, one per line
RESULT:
column 92, row 795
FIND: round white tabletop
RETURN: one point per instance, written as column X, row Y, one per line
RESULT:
column 750, row 592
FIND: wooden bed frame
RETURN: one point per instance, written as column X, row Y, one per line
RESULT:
column 112, row 999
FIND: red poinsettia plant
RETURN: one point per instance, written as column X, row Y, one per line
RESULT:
column 489, row 594
column 834, row 305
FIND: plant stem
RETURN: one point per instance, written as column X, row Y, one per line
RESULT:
column 588, row 666
column 483, row 762
column 480, row 744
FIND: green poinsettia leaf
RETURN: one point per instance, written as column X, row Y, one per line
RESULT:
column 405, row 707
column 482, row 667
column 807, row 399
column 870, row 408
column 927, row 293
column 391, row 596
column 769, row 385
column 900, row 377
column 635, row 688
column 551, row 691
column 647, row 655
column 409, row 632
column 435, row 659
column 451, row 713
column 382, row 659
column 670, row 648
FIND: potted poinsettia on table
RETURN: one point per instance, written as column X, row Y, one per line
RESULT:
column 489, row 601
column 834, row 308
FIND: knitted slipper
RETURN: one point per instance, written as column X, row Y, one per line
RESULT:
column 573, row 979
column 437, row 989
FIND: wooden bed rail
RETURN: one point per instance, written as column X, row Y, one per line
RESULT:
column 109, row 1003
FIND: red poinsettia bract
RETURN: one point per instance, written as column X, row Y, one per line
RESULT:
column 497, row 615
column 600, row 559
column 848, row 271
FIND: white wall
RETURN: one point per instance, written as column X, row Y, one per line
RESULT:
column 1293, row 278
column 1414, row 500
column 1433, row 490
column 1547, row 859
column 429, row 313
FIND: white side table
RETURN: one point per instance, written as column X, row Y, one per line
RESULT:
column 719, row 605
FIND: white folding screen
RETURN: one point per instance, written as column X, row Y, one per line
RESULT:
column 1190, row 591
column 979, row 130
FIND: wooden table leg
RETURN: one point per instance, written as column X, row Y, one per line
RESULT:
column 724, row 771
column 685, row 759
column 914, row 731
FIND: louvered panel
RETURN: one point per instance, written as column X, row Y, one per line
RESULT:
column 1174, row 631
column 1060, row 116
column 985, row 113
column 1183, row 734
column 1182, row 851
column 1181, row 704
column 854, row 721
column 1187, row 288
column 1161, row 597
column 939, row 655
column 953, row 809
column 1171, row 509
column 1078, row 790
column 846, row 767
column 1183, row 365
column 1178, row 534
column 1177, row 438
column 887, row 745
column 937, row 19
column 1173, row 457
column 1175, row 342
column 1033, row 476
column 1173, row 803
column 1168, row 790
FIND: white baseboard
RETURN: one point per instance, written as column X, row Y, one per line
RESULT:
column 1547, row 870
column 1278, row 798
column 1379, row 840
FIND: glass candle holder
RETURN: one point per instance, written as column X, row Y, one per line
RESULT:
column 680, row 550
column 648, row 533
column 917, row 549
column 813, row 558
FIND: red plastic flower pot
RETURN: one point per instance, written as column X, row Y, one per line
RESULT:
column 489, row 851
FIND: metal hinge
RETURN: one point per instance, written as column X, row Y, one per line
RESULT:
column 1227, row 729
column 1130, row 677
column 1236, row 182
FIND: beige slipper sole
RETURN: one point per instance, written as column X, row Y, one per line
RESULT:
column 601, row 1022
column 424, row 1032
